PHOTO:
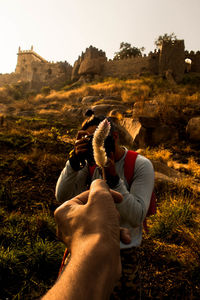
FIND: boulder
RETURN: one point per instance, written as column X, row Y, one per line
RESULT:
column 148, row 131
column 140, row 138
column 149, row 122
column 163, row 182
column 91, row 66
column 164, row 169
column 193, row 129
column 163, row 134
column 104, row 109
column 132, row 128
column 92, row 61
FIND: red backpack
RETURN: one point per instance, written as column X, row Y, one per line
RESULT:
column 129, row 165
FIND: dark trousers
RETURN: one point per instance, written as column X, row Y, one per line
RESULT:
column 128, row 287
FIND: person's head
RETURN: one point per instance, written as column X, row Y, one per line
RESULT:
column 92, row 122
column 111, row 142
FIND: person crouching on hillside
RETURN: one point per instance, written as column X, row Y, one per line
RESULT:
column 80, row 171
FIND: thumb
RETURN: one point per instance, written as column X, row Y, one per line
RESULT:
column 125, row 235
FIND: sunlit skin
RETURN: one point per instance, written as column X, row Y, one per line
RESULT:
column 94, row 266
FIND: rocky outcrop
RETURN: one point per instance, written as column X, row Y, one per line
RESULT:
column 104, row 109
column 147, row 131
column 91, row 62
column 193, row 129
column 75, row 75
column 133, row 128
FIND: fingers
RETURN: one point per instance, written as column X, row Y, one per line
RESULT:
column 81, row 146
column 99, row 186
column 125, row 235
column 82, row 133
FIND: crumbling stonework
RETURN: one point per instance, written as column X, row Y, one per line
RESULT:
column 94, row 62
column 195, row 58
column 38, row 72
column 32, row 68
column 91, row 62
column 172, row 58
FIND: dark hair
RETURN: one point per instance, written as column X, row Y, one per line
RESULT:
column 94, row 121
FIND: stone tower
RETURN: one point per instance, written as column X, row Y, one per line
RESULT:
column 172, row 58
column 25, row 62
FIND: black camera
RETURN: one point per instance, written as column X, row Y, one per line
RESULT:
column 109, row 145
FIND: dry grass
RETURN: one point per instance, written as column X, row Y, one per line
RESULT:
column 194, row 167
column 160, row 154
column 130, row 91
column 33, row 154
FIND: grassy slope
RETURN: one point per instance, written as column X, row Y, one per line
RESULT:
column 34, row 151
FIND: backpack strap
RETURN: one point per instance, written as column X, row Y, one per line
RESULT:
column 129, row 165
column 91, row 170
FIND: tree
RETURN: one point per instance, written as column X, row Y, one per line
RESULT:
column 166, row 37
column 127, row 51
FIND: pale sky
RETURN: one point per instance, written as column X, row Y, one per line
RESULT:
column 60, row 30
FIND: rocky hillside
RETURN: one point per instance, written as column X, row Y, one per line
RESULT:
column 159, row 119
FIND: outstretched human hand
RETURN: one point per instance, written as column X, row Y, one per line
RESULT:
column 90, row 214
column 89, row 226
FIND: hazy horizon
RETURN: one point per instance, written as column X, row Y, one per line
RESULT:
column 60, row 30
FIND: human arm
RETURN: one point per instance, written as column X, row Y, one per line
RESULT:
column 73, row 178
column 89, row 226
column 136, row 200
column 71, row 183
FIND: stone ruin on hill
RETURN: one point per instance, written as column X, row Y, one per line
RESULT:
column 37, row 71
column 93, row 63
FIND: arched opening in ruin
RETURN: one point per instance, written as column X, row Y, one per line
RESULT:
column 188, row 65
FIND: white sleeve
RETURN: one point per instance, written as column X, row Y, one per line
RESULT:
column 71, row 183
column 135, row 203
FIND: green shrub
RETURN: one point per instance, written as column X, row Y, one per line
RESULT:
column 172, row 214
column 30, row 255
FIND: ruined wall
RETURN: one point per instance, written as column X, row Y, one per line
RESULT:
column 195, row 58
column 125, row 67
column 9, row 78
column 94, row 62
column 172, row 57
column 34, row 69
column 131, row 66
column 51, row 74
